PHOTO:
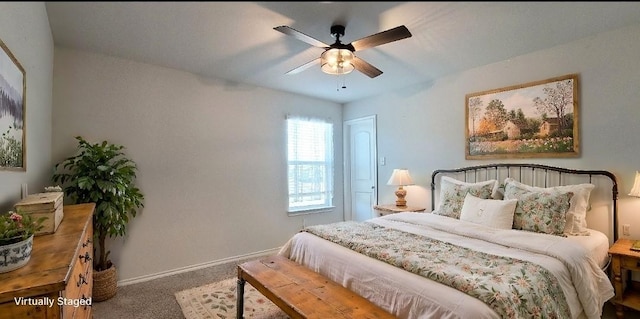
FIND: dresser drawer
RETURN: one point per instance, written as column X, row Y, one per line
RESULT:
column 85, row 256
column 78, row 290
column 78, row 297
column 630, row 263
column 83, row 311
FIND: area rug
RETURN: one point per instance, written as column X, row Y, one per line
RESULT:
column 218, row 301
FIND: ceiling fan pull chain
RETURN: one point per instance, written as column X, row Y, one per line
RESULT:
column 344, row 86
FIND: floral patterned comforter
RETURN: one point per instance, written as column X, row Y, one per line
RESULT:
column 513, row 288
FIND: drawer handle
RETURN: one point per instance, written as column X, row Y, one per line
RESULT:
column 87, row 243
column 81, row 280
column 86, row 302
column 86, row 257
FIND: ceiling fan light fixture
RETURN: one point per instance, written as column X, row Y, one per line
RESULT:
column 339, row 58
column 337, row 61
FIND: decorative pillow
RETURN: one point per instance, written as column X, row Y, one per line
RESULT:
column 542, row 212
column 453, row 191
column 576, row 216
column 489, row 212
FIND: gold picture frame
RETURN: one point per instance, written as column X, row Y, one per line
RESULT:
column 536, row 119
column 13, row 91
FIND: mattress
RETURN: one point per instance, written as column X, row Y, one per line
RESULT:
column 408, row 295
column 596, row 244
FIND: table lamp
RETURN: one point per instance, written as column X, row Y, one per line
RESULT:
column 635, row 192
column 400, row 178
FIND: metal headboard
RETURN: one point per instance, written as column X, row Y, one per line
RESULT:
column 521, row 170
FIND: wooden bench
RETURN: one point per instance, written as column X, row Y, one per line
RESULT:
column 301, row 292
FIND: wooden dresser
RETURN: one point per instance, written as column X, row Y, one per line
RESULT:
column 57, row 281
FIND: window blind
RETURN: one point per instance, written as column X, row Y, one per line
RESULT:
column 309, row 164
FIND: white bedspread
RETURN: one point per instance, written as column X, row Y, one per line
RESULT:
column 408, row 295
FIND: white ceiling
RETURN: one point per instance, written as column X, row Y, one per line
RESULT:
column 236, row 42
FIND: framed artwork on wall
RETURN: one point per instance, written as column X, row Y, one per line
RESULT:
column 536, row 119
column 13, row 90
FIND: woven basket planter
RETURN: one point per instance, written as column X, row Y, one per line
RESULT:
column 105, row 284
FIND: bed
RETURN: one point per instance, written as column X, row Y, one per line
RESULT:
column 501, row 241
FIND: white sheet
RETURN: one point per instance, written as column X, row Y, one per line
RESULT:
column 597, row 245
column 407, row 295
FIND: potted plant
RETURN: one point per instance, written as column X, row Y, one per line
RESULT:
column 100, row 173
column 16, row 239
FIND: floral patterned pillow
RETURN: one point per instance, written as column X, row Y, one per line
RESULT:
column 577, row 213
column 539, row 211
column 453, row 192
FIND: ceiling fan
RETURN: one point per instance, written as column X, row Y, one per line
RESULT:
column 339, row 58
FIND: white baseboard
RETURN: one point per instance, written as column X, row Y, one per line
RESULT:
column 196, row 267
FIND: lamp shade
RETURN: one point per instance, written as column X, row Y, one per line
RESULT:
column 400, row 177
column 635, row 191
column 337, row 61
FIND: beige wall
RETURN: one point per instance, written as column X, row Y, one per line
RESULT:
column 211, row 157
column 424, row 130
column 24, row 29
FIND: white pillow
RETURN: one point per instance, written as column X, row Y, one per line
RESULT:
column 576, row 215
column 489, row 212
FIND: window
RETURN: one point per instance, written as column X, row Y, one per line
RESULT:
column 310, row 164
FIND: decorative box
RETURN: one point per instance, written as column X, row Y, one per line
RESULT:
column 43, row 205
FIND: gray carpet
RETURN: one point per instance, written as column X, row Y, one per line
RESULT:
column 155, row 299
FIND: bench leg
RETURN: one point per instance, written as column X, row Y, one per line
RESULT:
column 240, row 299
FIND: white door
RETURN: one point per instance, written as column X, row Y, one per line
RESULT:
column 360, row 168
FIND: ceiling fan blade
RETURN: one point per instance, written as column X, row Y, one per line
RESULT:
column 304, row 66
column 366, row 68
column 395, row 34
column 301, row 36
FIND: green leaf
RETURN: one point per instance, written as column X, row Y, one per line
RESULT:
column 101, row 173
column 85, row 182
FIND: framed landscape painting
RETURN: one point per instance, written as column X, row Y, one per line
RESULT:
column 537, row 119
column 12, row 111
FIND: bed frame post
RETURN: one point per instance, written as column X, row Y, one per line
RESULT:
column 614, row 191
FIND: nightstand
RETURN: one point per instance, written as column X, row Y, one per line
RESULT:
column 382, row 210
column 627, row 292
